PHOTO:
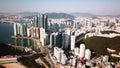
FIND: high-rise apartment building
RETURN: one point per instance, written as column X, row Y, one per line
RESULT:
column 41, row 21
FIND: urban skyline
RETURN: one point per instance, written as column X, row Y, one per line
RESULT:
column 42, row 39
column 98, row 7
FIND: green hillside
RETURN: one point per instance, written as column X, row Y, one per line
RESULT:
column 99, row 44
column 11, row 50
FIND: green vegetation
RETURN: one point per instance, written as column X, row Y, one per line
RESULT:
column 11, row 50
column 100, row 45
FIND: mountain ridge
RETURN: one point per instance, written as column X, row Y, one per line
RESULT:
column 59, row 15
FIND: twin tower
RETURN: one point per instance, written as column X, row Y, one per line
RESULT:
column 41, row 21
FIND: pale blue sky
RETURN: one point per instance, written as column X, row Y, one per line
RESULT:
column 101, row 7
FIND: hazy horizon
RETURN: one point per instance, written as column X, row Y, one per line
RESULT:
column 97, row 7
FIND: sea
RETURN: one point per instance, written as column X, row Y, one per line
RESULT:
column 6, row 31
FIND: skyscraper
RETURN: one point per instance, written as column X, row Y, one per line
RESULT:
column 43, row 22
column 59, row 40
column 35, row 21
column 72, row 42
column 52, row 42
column 82, row 50
column 23, row 30
column 39, row 21
column 15, row 29
column 66, row 39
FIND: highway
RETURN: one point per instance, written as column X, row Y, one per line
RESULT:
column 79, row 39
column 8, row 60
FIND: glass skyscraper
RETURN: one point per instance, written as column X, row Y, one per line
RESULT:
column 41, row 21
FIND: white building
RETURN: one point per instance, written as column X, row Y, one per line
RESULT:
column 57, row 54
column 76, row 51
column 63, row 58
column 87, row 54
column 43, row 37
column 15, row 29
column 72, row 42
column 82, row 51
column 88, row 35
column 28, row 32
column 105, row 58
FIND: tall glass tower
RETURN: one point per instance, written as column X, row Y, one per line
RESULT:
column 43, row 22
column 35, row 21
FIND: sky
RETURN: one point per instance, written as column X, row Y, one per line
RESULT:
column 99, row 7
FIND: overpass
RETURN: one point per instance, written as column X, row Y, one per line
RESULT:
column 80, row 38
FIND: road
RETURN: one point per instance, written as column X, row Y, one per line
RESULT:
column 8, row 60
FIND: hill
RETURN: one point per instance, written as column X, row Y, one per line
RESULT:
column 50, row 15
column 29, row 13
column 11, row 50
column 59, row 15
column 100, row 44
column 83, row 14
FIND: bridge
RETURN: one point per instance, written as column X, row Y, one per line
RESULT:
column 11, row 22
